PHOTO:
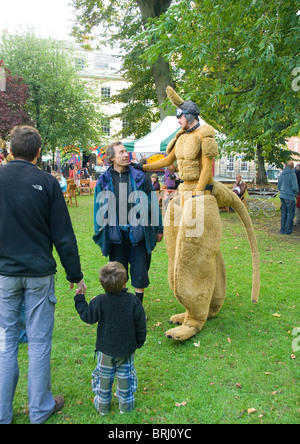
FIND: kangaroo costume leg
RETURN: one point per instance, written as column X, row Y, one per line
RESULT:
column 199, row 238
column 172, row 222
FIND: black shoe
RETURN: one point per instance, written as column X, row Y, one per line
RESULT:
column 59, row 404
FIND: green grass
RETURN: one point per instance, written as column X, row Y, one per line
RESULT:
column 244, row 359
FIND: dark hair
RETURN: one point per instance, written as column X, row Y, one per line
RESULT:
column 113, row 277
column 110, row 152
column 25, row 142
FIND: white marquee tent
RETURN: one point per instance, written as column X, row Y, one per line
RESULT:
column 157, row 140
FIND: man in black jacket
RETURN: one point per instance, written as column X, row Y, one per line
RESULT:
column 33, row 218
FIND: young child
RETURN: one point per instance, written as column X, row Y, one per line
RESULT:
column 121, row 330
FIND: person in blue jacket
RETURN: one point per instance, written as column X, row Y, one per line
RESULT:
column 288, row 187
column 127, row 218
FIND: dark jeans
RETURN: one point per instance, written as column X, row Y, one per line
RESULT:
column 136, row 256
column 288, row 208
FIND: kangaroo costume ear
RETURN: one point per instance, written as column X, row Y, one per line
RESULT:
column 174, row 97
column 189, row 108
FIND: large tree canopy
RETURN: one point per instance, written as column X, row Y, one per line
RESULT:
column 61, row 105
column 235, row 59
column 119, row 23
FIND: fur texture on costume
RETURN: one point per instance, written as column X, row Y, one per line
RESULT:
column 192, row 228
column 174, row 97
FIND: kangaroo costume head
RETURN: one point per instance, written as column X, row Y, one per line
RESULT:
column 189, row 109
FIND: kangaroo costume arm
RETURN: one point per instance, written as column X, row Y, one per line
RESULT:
column 206, row 174
column 163, row 163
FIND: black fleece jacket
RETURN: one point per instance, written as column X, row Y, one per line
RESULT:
column 121, row 322
column 33, row 218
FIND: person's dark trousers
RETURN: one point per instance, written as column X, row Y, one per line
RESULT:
column 288, row 208
column 137, row 256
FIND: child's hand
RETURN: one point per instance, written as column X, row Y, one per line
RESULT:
column 81, row 288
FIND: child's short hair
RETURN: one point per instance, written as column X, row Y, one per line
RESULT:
column 113, row 277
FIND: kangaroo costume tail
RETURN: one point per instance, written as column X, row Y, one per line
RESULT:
column 224, row 197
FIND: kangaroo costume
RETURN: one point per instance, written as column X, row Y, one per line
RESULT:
column 197, row 273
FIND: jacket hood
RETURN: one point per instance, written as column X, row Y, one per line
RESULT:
column 287, row 170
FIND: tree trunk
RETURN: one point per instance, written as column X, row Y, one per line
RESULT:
column 161, row 69
column 152, row 8
column 162, row 78
column 261, row 171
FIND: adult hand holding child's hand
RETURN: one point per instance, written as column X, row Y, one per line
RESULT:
column 81, row 287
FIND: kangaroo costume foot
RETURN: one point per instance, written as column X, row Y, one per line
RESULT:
column 183, row 333
column 177, row 319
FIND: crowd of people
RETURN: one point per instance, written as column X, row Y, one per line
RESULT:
column 69, row 170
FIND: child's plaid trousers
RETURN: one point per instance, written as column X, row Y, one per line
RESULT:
column 103, row 378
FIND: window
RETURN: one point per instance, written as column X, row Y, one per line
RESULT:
column 244, row 166
column 125, row 123
column 230, row 164
column 80, row 63
column 105, row 126
column 105, row 93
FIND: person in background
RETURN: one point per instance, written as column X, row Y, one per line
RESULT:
column 171, row 177
column 297, row 212
column 288, row 187
column 240, row 186
column 155, row 182
column 62, row 182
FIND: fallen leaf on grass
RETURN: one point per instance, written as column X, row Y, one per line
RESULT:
column 197, row 344
column 156, row 325
column 250, row 411
column 278, row 392
column 180, row 404
column 276, row 315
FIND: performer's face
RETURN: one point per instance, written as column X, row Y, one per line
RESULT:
column 183, row 122
column 121, row 158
